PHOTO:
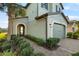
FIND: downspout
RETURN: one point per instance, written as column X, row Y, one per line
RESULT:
column 46, row 28
column 45, row 20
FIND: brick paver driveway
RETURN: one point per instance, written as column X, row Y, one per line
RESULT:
column 70, row 45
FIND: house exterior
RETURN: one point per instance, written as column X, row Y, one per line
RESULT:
column 72, row 26
column 43, row 20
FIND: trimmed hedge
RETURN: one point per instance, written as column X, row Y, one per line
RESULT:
column 69, row 35
column 76, row 35
column 73, row 35
column 39, row 41
column 75, row 54
column 52, row 42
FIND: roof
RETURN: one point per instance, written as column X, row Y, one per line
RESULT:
column 65, row 17
column 27, row 5
column 53, row 13
column 62, row 5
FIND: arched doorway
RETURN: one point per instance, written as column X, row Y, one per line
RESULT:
column 21, row 29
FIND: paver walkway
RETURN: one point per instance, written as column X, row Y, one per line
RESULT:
column 57, row 52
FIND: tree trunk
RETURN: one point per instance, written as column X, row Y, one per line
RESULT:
column 11, row 16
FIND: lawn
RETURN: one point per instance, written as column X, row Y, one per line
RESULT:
column 3, row 35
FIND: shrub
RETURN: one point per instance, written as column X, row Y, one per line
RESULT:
column 8, row 53
column 39, row 41
column 1, row 44
column 75, row 54
column 1, row 50
column 24, row 45
column 21, row 41
column 27, row 51
column 13, row 37
column 75, row 36
column 6, row 45
column 52, row 42
column 17, row 40
column 69, row 34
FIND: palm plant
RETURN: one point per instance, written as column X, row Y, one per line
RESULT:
column 12, row 9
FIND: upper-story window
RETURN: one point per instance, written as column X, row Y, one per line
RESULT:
column 58, row 8
column 44, row 5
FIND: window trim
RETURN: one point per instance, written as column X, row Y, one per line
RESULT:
column 56, row 8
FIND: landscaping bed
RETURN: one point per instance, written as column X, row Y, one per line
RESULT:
column 17, row 46
column 22, row 47
column 51, row 43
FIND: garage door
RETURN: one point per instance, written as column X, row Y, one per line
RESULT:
column 58, row 31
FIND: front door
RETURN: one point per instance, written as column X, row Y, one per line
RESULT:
column 21, row 29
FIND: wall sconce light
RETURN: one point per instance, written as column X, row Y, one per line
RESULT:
column 50, row 25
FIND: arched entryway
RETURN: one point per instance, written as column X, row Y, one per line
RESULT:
column 21, row 29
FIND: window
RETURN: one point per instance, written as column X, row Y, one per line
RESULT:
column 59, row 9
column 44, row 5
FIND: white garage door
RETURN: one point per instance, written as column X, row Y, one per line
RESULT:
column 58, row 31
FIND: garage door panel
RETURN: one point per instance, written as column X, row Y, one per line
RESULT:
column 59, row 31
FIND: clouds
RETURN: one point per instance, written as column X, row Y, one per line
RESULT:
column 74, row 17
column 3, row 25
column 72, row 10
column 72, row 6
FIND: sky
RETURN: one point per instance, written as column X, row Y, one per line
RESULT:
column 70, row 9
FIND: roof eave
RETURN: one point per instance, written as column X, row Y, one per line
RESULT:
column 46, row 14
column 27, row 5
column 65, row 17
column 62, row 5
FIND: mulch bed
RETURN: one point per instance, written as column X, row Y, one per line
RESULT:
column 53, row 48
